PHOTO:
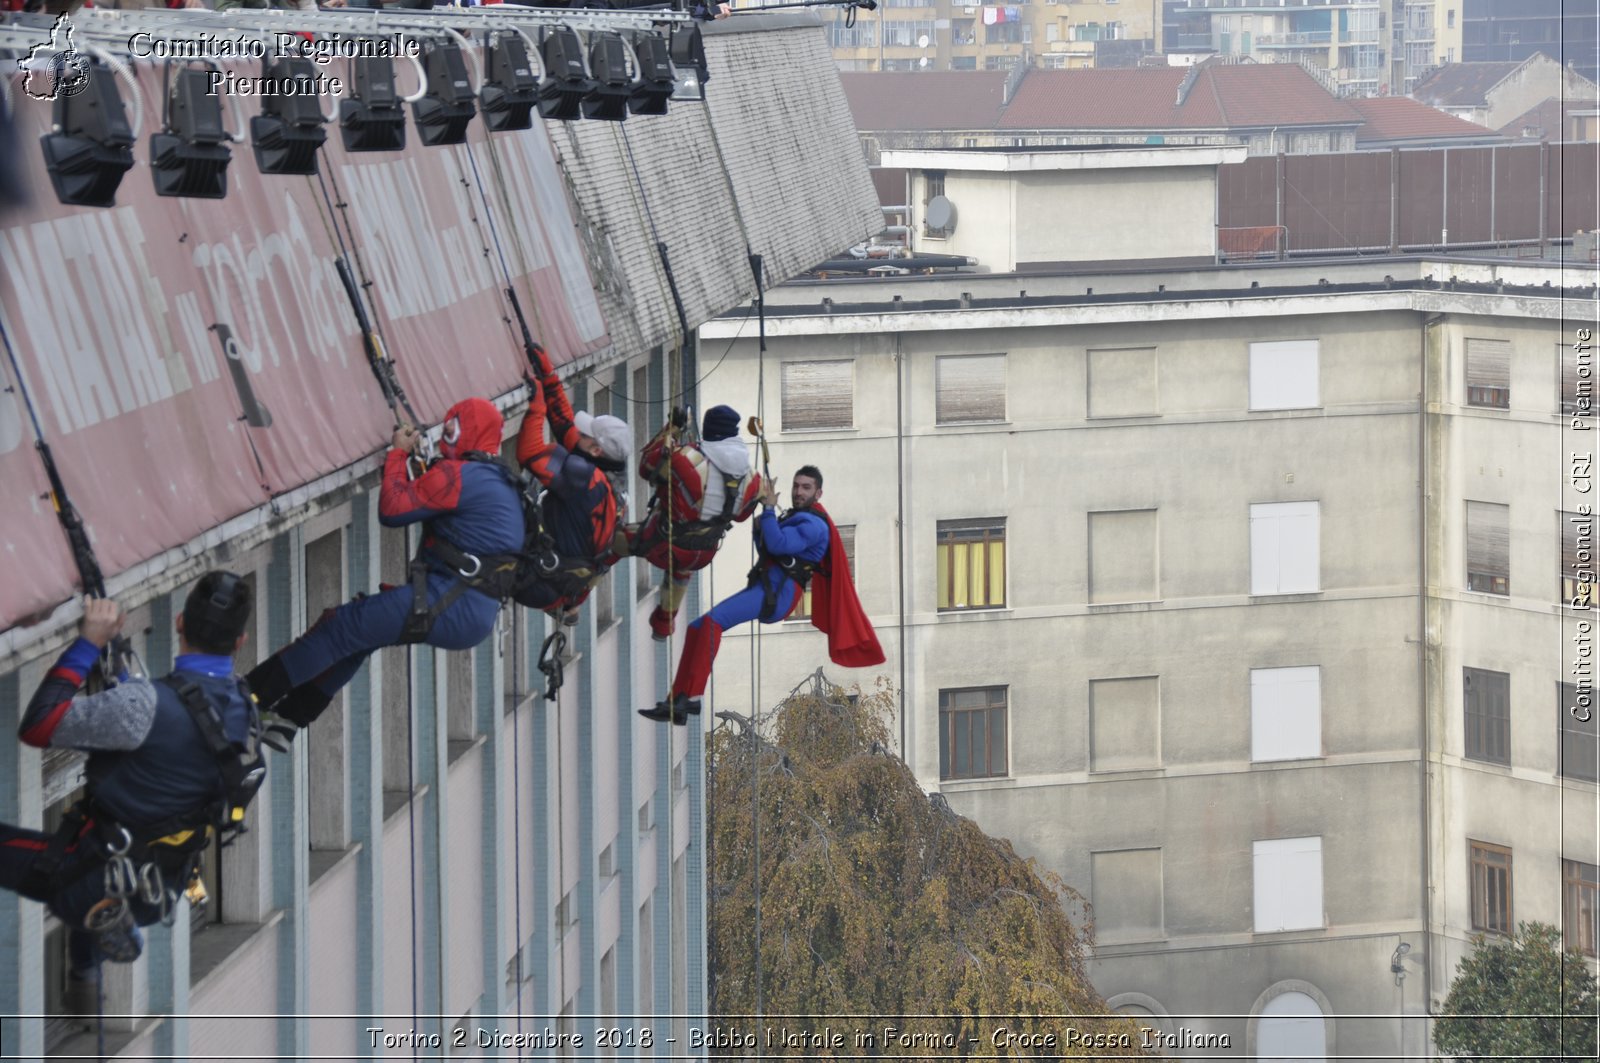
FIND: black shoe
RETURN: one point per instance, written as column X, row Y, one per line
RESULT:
column 678, row 710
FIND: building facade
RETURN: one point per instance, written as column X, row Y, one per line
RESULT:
column 911, row 35
column 453, row 861
column 1243, row 599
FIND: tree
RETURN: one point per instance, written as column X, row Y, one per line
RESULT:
column 1520, row 998
column 880, row 909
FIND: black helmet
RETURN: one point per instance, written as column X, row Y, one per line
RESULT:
column 216, row 612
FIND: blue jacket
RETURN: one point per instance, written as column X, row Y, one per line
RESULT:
column 147, row 760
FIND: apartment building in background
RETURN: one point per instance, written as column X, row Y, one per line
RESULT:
column 1241, row 597
column 908, row 35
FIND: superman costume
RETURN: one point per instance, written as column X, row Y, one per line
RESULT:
column 802, row 550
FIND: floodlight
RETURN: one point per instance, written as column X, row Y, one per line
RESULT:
column 446, row 104
column 655, row 84
column 510, row 89
column 91, row 146
column 370, row 118
column 288, row 131
column 611, row 81
column 566, row 82
column 190, row 156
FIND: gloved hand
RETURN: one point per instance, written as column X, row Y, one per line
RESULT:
column 278, row 733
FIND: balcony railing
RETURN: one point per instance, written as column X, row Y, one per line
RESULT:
column 1276, row 5
column 1359, row 37
column 1294, row 40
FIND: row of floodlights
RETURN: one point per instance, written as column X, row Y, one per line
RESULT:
column 91, row 146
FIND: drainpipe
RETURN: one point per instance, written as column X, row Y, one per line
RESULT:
column 900, row 525
column 1425, row 761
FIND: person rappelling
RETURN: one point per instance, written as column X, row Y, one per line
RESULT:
column 578, row 509
column 798, row 552
column 470, row 507
column 701, row 489
column 172, row 762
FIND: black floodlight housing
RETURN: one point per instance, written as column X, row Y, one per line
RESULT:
column 566, row 82
column 92, row 144
column 288, row 131
column 190, row 156
column 447, row 103
column 655, row 84
column 611, row 80
column 688, row 52
column 370, row 118
column 511, row 90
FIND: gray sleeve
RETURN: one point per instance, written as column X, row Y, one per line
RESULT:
column 118, row 718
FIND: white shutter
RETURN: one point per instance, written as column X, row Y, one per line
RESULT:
column 1283, row 375
column 818, row 394
column 1288, row 884
column 1285, row 713
column 970, row 387
column 1285, row 548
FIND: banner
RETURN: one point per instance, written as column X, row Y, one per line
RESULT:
column 192, row 358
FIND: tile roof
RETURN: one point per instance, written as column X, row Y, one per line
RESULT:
column 1462, row 84
column 1548, row 118
column 1402, row 118
column 1222, row 96
column 943, row 99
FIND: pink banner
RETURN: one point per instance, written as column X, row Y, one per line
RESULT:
column 191, row 358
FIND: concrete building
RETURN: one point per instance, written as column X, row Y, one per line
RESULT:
column 448, row 863
column 1243, row 598
column 933, row 35
column 1494, row 31
column 1493, row 94
column 1270, row 108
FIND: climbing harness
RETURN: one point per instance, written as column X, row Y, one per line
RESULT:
column 552, row 663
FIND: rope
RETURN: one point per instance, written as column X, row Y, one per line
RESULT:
column 516, row 803
column 411, row 828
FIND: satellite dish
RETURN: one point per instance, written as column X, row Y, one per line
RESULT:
column 923, row 61
column 922, row 41
column 941, row 214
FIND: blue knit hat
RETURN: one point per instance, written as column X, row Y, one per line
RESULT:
column 721, row 422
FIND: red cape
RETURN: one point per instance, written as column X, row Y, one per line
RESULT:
column 836, row 610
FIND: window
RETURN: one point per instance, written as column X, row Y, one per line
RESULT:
column 1489, row 373
column 1487, row 697
column 1008, row 33
column 1285, row 548
column 1123, row 563
column 1122, row 383
column 1124, row 723
column 1577, row 381
column 818, row 395
column 1579, row 752
column 1285, row 713
column 1491, row 888
column 328, row 820
column 1450, row 24
column 972, row 564
column 1488, row 548
column 972, row 733
column 1577, row 561
column 1283, row 375
column 1580, row 907
column 1125, row 888
column 906, row 33
column 1291, row 1026
column 934, row 185
column 970, row 387
column 1288, row 884
column 847, row 535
